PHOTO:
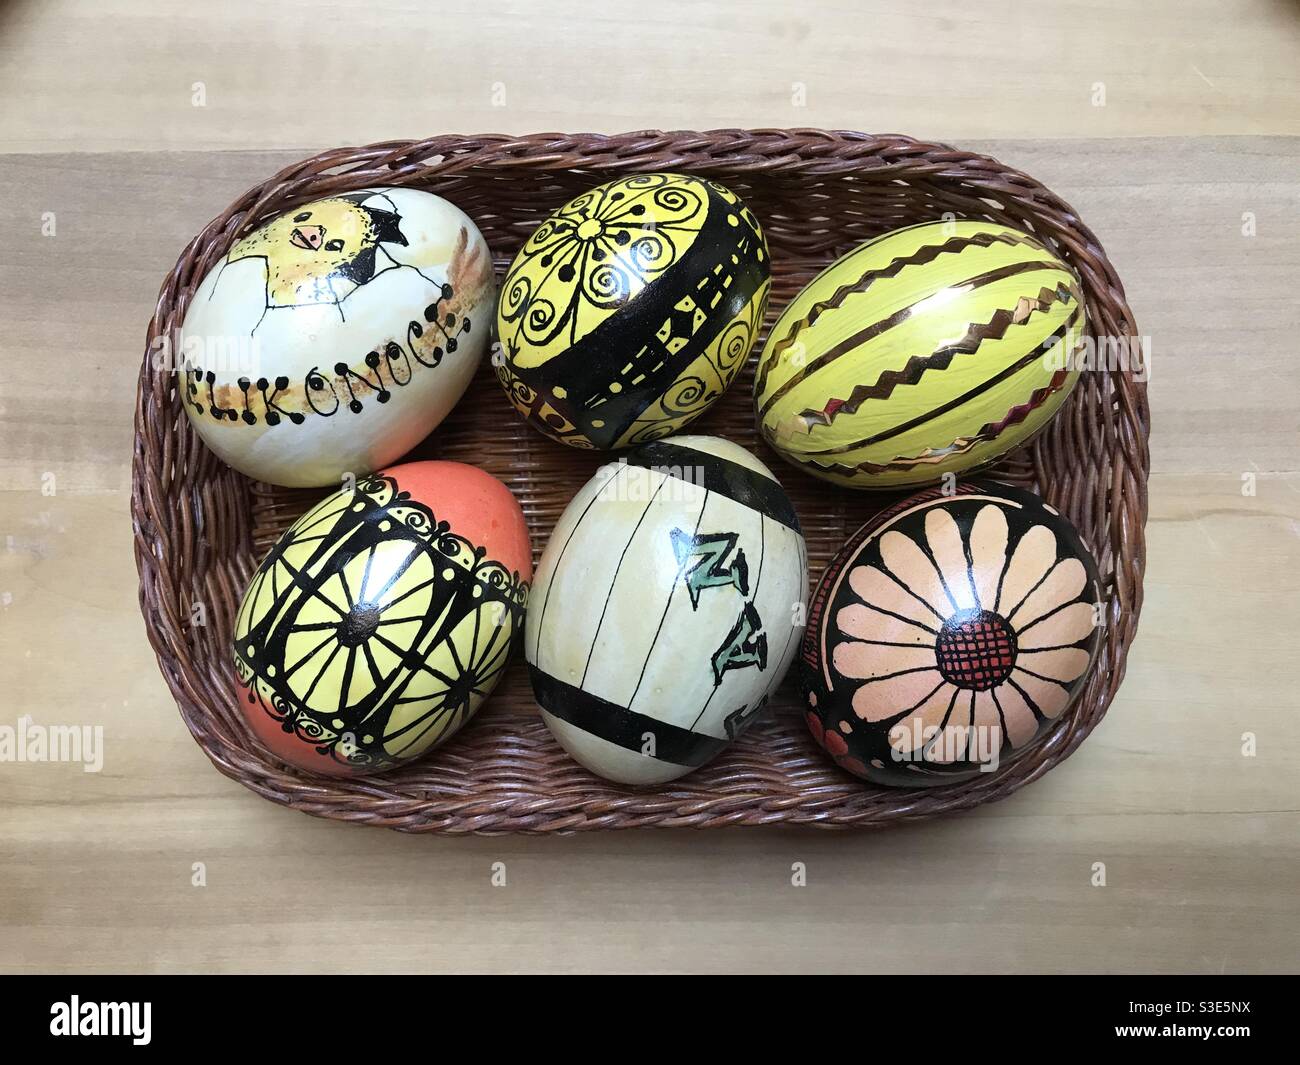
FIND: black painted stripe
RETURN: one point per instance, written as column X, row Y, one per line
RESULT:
column 620, row 726
column 586, row 368
column 747, row 487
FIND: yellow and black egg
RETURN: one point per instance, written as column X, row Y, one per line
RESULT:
column 631, row 309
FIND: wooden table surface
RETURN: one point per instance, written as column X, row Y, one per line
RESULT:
column 1171, row 125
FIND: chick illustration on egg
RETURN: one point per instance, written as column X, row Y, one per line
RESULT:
column 336, row 336
column 322, row 253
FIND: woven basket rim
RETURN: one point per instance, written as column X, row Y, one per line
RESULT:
column 181, row 502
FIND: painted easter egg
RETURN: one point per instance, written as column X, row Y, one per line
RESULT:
column 383, row 617
column 333, row 339
column 666, row 608
column 631, row 309
column 930, row 350
column 948, row 633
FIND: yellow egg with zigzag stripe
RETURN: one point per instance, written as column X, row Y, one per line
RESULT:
column 932, row 349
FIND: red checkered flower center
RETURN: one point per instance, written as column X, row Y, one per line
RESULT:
column 961, row 625
column 976, row 649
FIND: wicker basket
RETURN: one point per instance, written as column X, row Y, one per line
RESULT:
column 201, row 528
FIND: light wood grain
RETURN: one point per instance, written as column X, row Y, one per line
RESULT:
column 107, row 77
column 1200, row 843
column 1215, row 303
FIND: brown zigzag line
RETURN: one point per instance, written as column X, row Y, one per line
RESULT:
column 920, row 257
column 903, row 314
column 962, row 444
column 995, row 329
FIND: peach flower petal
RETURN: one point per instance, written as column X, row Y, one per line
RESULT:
column 986, row 711
column 1064, row 583
column 988, row 548
column 933, row 711
column 1034, row 555
column 875, row 588
column 1021, row 724
column 1065, row 664
column 1067, row 626
column 876, row 700
column 1050, row 698
column 989, row 722
column 909, row 733
column 904, row 558
column 870, row 661
column 864, row 623
column 950, row 744
column 949, row 552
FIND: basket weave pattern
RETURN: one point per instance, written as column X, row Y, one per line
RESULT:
column 201, row 528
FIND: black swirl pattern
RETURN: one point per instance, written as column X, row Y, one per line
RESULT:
column 611, row 313
column 372, row 631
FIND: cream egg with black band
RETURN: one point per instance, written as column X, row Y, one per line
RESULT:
column 667, row 608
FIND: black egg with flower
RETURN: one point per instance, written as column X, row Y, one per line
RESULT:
column 949, row 633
